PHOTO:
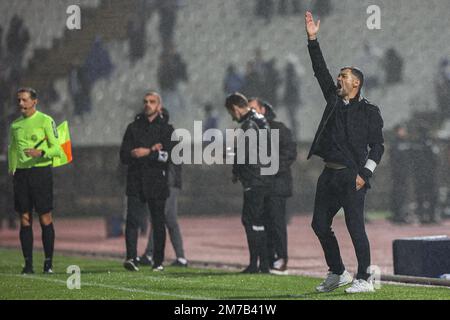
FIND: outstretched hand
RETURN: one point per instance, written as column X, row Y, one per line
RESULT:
column 311, row 27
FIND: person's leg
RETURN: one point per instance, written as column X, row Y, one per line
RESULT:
column 26, row 240
column 172, row 223
column 353, row 204
column 269, row 224
column 326, row 205
column 48, row 239
column 253, row 220
column 23, row 206
column 134, row 213
column 279, row 225
column 41, row 184
column 156, row 207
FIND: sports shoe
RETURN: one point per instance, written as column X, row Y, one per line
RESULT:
column 131, row 265
column 334, row 281
column 48, row 267
column 28, row 269
column 145, row 260
column 180, row 262
column 279, row 267
column 360, row 285
column 158, row 268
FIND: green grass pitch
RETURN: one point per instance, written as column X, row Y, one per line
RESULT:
column 106, row 279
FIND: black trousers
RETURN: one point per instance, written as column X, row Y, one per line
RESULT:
column 276, row 226
column 336, row 189
column 254, row 224
column 134, row 217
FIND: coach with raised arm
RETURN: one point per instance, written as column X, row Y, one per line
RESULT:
column 350, row 141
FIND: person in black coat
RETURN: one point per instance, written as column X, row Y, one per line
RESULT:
column 401, row 159
column 256, row 185
column 146, row 149
column 350, row 141
column 425, row 165
column 275, row 205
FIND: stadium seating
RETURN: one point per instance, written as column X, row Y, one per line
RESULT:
column 211, row 34
column 44, row 19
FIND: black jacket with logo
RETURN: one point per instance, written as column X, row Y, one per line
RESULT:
column 364, row 137
column 147, row 177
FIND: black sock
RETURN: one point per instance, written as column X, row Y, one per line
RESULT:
column 252, row 248
column 26, row 240
column 48, row 240
column 263, row 252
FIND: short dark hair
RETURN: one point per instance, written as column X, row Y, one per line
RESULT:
column 236, row 99
column 30, row 91
column 358, row 74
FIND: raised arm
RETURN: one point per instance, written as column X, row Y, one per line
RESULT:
column 319, row 65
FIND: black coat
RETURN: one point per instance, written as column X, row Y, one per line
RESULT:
column 364, row 121
column 282, row 185
column 147, row 177
column 250, row 174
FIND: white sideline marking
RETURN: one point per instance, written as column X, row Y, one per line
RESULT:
column 92, row 284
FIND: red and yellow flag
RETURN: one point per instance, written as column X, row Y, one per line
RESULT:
column 66, row 145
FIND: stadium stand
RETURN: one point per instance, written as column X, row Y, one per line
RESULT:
column 212, row 34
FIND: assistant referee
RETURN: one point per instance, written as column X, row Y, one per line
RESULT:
column 33, row 145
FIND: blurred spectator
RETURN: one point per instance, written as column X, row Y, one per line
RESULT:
column 233, row 81
column 271, row 83
column 322, row 8
column 79, row 90
column 98, row 63
column 442, row 87
column 401, row 170
column 252, row 81
column 424, row 174
column 172, row 70
column 167, row 10
column 392, row 63
column 264, row 9
column 259, row 64
column 211, row 120
column 17, row 41
column 136, row 31
column 291, row 97
column 369, row 64
column 82, row 79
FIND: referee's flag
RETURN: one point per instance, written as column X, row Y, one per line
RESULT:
column 66, row 145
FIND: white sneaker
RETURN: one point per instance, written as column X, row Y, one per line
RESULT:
column 158, row 268
column 360, row 285
column 279, row 267
column 334, row 281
